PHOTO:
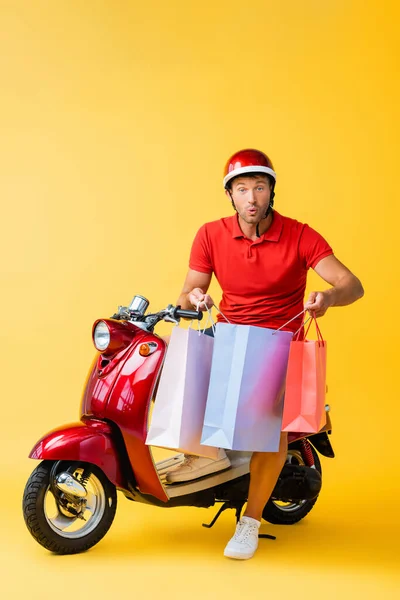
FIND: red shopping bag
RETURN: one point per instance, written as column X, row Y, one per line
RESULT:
column 304, row 407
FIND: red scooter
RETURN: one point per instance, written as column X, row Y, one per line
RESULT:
column 70, row 499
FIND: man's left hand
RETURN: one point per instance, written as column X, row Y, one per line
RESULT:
column 318, row 303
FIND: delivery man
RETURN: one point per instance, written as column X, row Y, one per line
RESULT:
column 260, row 259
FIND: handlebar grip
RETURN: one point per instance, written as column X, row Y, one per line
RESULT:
column 188, row 314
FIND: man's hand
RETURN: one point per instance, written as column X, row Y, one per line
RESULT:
column 198, row 298
column 318, row 303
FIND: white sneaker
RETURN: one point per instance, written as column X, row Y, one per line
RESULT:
column 194, row 467
column 245, row 541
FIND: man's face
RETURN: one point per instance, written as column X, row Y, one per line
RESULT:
column 251, row 197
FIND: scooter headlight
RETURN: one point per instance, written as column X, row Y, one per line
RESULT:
column 101, row 336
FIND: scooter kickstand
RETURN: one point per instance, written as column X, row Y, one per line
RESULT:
column 238, row 512
column 221, row 510
column 266, row 535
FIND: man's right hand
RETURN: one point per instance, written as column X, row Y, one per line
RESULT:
column 199, row 300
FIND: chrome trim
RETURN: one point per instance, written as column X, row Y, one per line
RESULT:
column 139, row 305
column 91, row 511
column 69, row 485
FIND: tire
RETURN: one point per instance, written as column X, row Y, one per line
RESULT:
column 99, row 511
column 294, row 512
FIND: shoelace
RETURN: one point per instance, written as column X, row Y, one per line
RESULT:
column 189, row 458
column 244, row 530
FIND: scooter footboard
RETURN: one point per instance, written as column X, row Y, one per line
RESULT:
column 92, row 441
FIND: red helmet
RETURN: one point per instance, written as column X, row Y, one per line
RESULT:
column 248, row 161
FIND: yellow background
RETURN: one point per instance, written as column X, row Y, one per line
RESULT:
column 116, row 120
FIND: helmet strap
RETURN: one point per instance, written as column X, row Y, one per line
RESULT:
column 269, row 211
column 233, row 204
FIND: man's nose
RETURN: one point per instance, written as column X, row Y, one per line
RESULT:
column 252, row 199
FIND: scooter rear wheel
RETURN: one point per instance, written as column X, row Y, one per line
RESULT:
column 289, row 513
column 68, row 527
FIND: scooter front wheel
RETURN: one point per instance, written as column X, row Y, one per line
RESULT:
column 62, row 521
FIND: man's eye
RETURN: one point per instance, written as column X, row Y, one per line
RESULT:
column 241, row 190
column 260, row 188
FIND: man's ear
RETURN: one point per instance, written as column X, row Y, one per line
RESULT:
column 228, row 194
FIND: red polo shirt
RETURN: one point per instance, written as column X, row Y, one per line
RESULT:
column 263, row 281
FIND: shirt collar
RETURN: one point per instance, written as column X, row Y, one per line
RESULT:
column 273, row 234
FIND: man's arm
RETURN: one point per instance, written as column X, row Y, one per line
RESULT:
column 195, row 291
column 347, row 288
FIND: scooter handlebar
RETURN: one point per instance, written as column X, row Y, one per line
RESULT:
column 187, row 314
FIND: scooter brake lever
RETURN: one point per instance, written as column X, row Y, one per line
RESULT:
column 171, row 320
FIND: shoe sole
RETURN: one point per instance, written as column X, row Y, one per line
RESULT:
column 192, row 477
column 239, row 556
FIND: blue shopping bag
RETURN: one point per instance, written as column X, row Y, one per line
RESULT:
column 247, row 382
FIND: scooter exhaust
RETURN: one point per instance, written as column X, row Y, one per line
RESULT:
column 69, row 485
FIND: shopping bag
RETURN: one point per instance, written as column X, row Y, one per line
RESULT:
column 178, row 412
column 244, row 403
column 304, row 404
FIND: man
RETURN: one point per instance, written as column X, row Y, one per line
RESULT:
column 260, row 259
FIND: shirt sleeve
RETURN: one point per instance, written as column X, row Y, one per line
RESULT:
column 312, row 247
column 200, row 259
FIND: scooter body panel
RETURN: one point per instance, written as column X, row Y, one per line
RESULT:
column 322, row 443
column 119, row 389
column 128, row 407
column 104, row 372
column 91, row 442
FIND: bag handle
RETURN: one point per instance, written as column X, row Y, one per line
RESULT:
column 312, row 319
column 217, row 309
column 284, row 325
column 296, row 335
column 221, row 313
column 209, row 319
column 198, row 322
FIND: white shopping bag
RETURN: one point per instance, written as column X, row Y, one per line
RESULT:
column 178, row 413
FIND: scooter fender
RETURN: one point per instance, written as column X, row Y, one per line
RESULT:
column 91, row 441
